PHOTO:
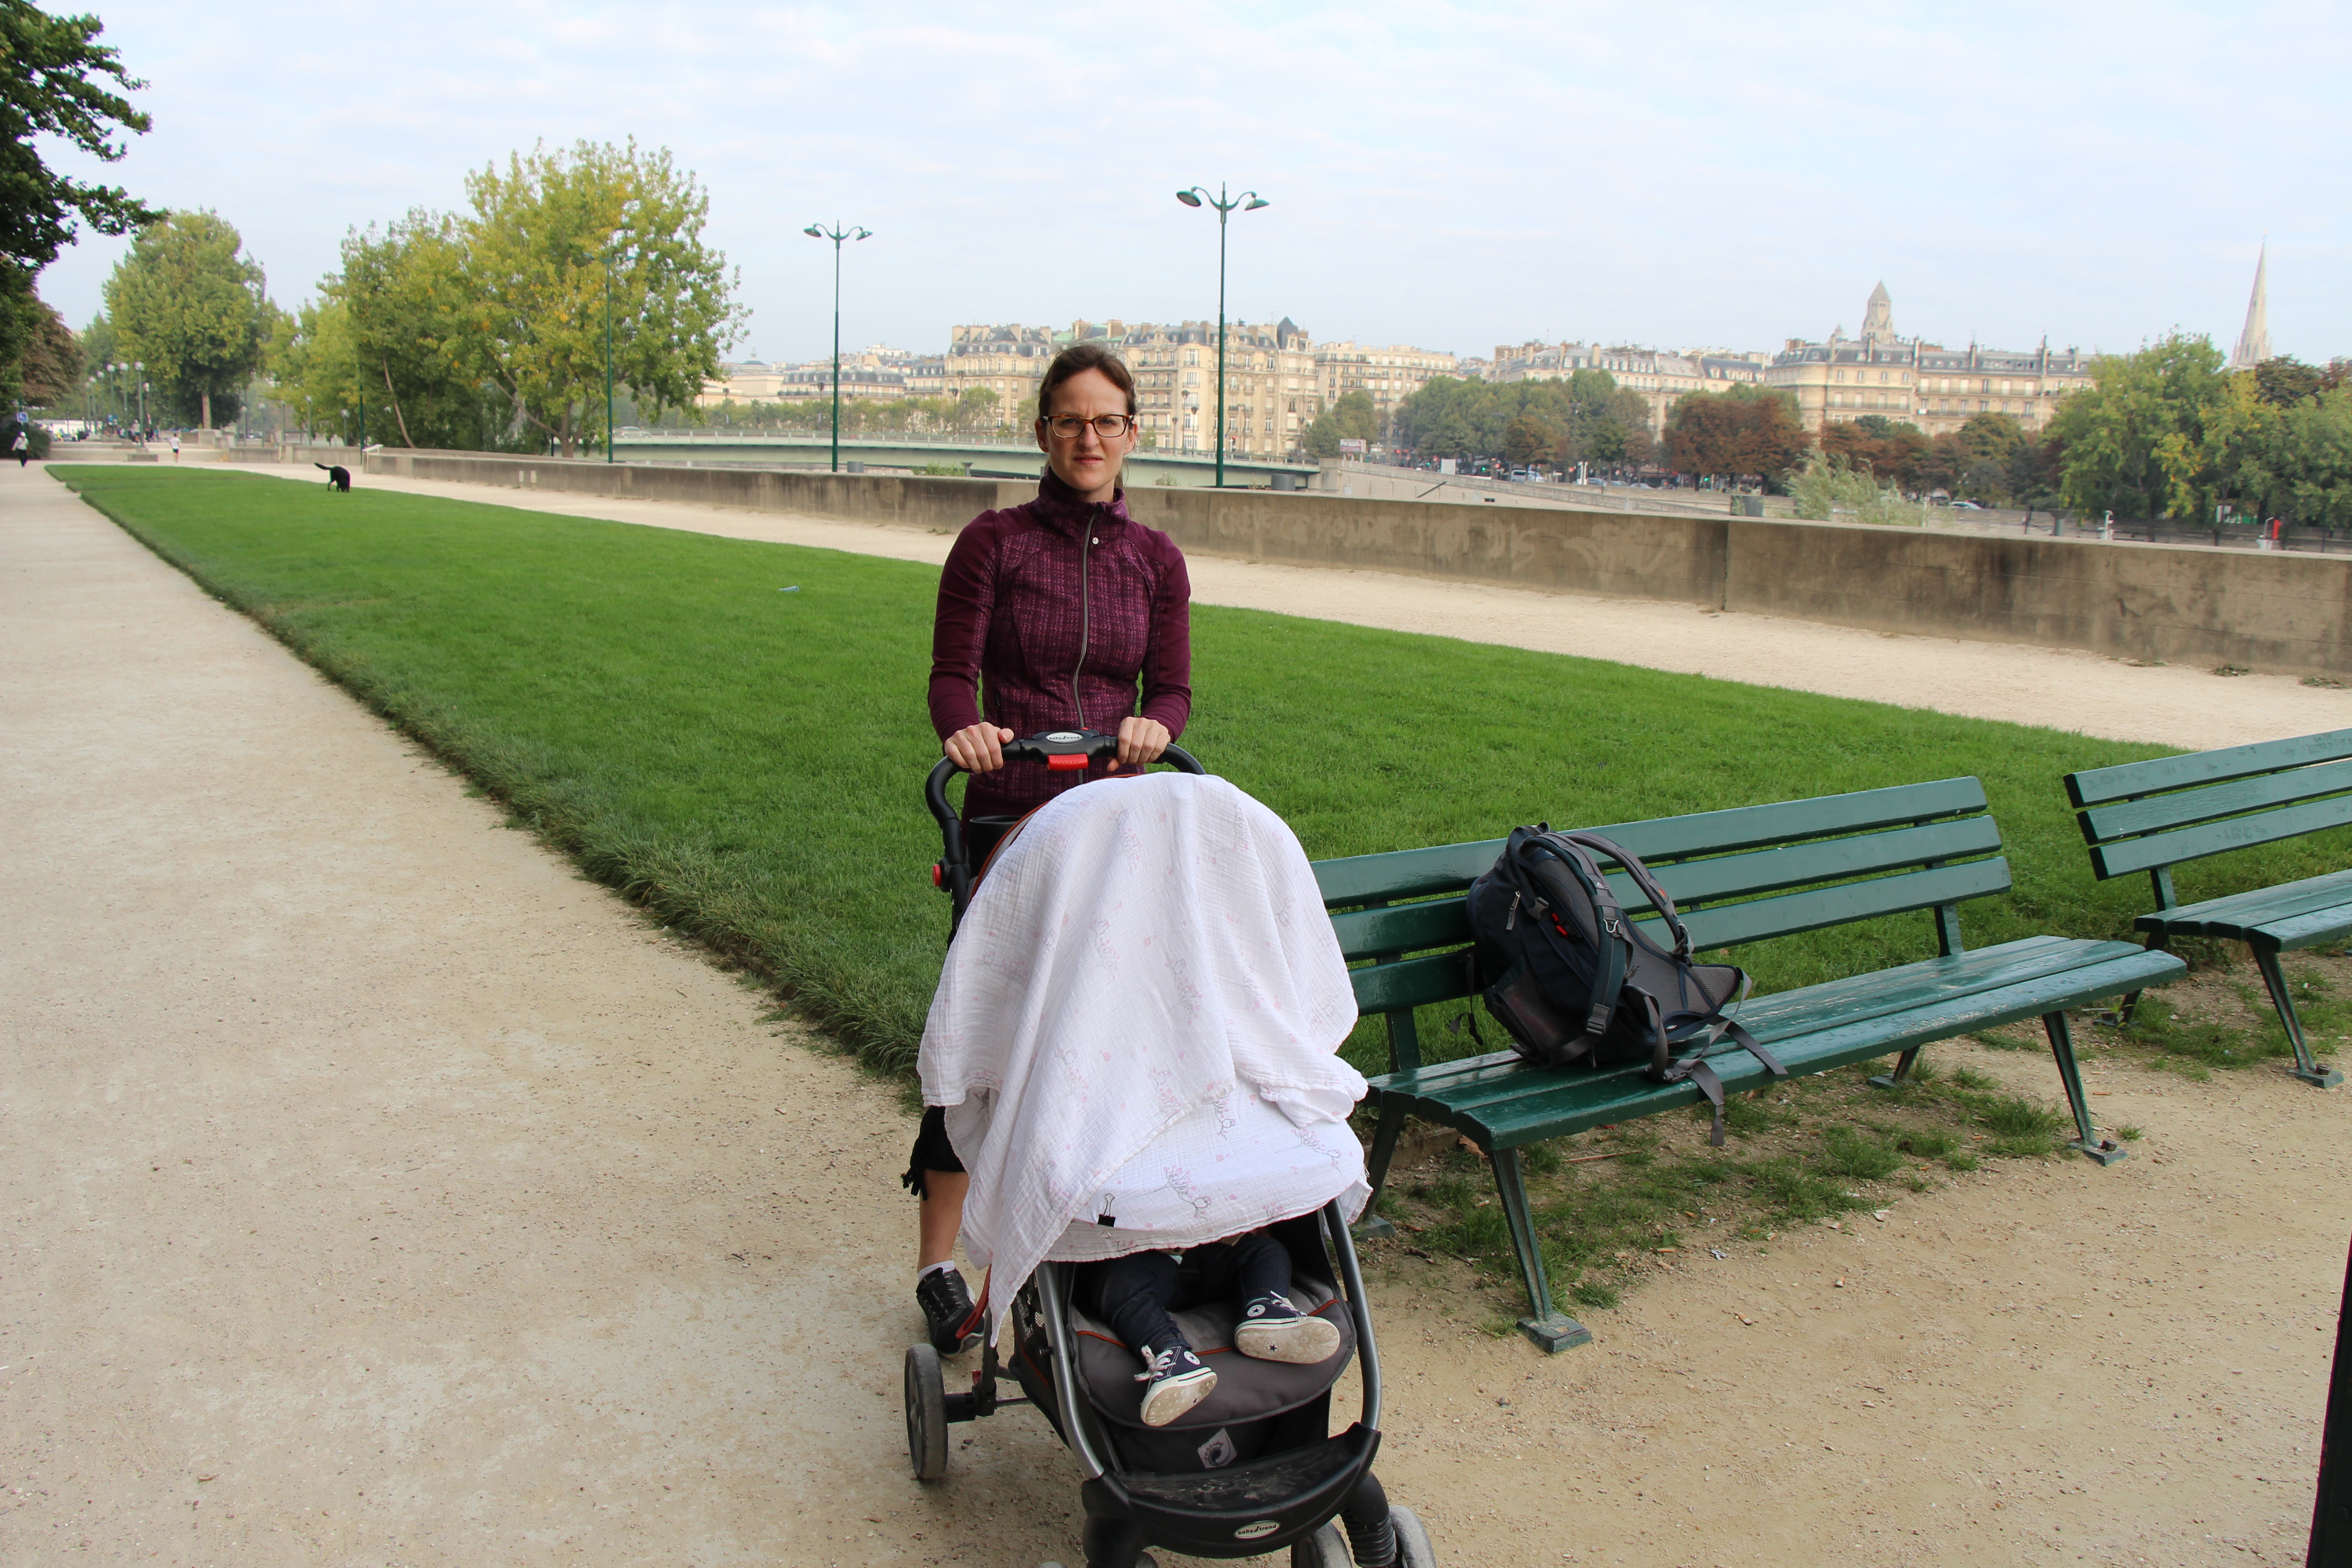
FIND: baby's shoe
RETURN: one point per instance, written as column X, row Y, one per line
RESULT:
column 1177, row 1380
column 1271, row 1329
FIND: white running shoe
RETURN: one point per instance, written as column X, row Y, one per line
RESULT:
column 1177, row 1382
column 1271, row 1329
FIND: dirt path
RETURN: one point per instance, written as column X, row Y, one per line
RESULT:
column 2059, row 687
column 385, row 1193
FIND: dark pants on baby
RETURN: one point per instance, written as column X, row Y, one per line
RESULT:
column 1135, row 1294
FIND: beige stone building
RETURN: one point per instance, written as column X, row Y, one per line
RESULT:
column 877, row 372
column 1270, row 386
column 1660, row 376
column 1388, row 375
column 1918, row 382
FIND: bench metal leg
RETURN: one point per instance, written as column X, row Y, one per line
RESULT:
column 2157, row 941
column 1372, row 1228
column 1553, row 1330
column 2086, row 1140
column 2306, row 1066
column 1902, row 1073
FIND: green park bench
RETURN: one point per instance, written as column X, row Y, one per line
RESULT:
column 2151, row 816
column 1738, row 877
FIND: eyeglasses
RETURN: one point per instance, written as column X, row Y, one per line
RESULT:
column 1109, row 427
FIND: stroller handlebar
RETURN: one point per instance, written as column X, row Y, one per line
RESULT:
column 1058, row 750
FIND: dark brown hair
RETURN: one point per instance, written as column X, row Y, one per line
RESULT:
column 1075, row 360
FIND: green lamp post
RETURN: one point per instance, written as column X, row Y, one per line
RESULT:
column 837, row 233
column 1248, row 201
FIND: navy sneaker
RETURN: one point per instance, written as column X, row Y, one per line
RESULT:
column 1177, row 1380
column 1271, row 1329
column 947, row 1314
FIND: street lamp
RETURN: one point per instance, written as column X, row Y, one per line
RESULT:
column 608, row 352
column 1248, row 202
column 837, row 233
column 140, row 366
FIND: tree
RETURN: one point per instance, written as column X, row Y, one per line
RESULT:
column 1351, row 418
column 2151, row 437
column 1528, row 440
column 53, row 82
column 1877, row 445
column 2285, row 380
column 544, row 238
column 51, row 369
column 1743, row 430
column 194, row 310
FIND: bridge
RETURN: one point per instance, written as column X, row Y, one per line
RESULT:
column 979, row 459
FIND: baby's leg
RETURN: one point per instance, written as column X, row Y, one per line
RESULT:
column 1132, row 1294
column 1261, row 1267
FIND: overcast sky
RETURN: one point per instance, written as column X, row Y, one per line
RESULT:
column 1447, row 176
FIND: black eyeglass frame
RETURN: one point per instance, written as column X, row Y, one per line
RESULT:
column 1125, row 426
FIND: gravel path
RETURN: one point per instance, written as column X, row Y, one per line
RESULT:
column 385, row 1193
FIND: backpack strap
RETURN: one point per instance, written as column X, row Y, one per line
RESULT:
column 1643, row 879
column 1616, row 946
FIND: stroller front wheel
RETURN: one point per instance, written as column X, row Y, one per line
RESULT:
column 927, row 1412
column 1326, row 1548
column 1413, row 1550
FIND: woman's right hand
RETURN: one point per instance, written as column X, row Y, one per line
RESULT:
column 978, row 748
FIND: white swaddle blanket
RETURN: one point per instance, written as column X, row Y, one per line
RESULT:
column 1140, row 1020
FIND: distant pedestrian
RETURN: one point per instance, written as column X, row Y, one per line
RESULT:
column 175, row 446
column 19, row 448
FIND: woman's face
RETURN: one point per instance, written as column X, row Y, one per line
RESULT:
column 1088, row 464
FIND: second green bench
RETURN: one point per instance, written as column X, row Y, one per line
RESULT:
column 1741, row 876
column 2151, row 816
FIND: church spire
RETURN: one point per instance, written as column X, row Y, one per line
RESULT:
column 1878, row 316
column 2254, row 342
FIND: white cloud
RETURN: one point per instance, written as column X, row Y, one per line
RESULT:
column 1450, row 174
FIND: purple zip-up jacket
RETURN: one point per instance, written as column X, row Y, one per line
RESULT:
column 1055, row 611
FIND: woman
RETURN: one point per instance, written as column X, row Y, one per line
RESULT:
column 1057, row 612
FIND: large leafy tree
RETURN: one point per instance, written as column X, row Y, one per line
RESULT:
column 1349, row 418
column 1744, row 429
column 546, row 237
column 188, row 304
column 2151, row 437
column 56, row 80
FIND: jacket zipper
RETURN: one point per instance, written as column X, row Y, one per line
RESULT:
column 1086, row 542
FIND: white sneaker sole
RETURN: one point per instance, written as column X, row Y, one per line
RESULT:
column 1164, row 1402
column 1301, row 1342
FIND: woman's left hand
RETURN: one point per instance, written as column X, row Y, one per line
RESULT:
column 1141, row 741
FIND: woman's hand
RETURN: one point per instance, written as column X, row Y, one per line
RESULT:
column 980, row 747
column 1141, row 741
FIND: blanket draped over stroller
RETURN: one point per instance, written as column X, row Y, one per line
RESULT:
column 1137, row 1031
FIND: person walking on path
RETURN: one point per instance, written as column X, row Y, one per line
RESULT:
column 175, row 446
column 20, row 447
column 1062, row 614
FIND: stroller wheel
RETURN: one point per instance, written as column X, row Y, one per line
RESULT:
column 927, row 1414
column 1413, row 1550
column 1326, row 1548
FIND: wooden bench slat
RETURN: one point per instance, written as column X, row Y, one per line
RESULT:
column 1402, row 928
column 1789, row 913
column 1412, row 983
column 2308, row 930
column 1404, row 873
column 1749, row 826
column 1503, row 1103
column 2159, row 813
column 2256, row 906
column 2096, row 786
column 2216, row 837
column 1790, row 1015
column 1692, row 882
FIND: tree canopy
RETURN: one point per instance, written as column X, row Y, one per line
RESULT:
column 1586, row 418
column 1743, row 430
column 195, row 310
column 1351, row 418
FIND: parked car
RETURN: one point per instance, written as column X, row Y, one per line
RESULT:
column 1966, row 506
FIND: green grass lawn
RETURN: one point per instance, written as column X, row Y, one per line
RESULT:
column 747, row 762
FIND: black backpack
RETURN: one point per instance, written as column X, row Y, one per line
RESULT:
column 1575, row 981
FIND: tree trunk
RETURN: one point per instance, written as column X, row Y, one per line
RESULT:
column 402, row 419
column 208, row 410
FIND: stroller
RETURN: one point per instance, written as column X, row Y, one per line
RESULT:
column 1252, row 1468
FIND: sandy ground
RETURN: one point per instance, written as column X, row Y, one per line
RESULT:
column 2060, row 688
column 384, row 1193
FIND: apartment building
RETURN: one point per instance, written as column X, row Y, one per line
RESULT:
column 1659, row 375
column 876, row 372
column 1270, row 386
column 1388, row 375
column 1922, row 383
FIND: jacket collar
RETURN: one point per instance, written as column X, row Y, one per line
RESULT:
column 1059, row 507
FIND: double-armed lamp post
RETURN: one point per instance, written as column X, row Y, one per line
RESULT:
column 1248, row 201
column 837, row 234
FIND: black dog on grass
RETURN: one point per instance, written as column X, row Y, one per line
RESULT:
column 338, row 476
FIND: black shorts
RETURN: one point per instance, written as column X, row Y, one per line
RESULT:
column 932, row 1152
